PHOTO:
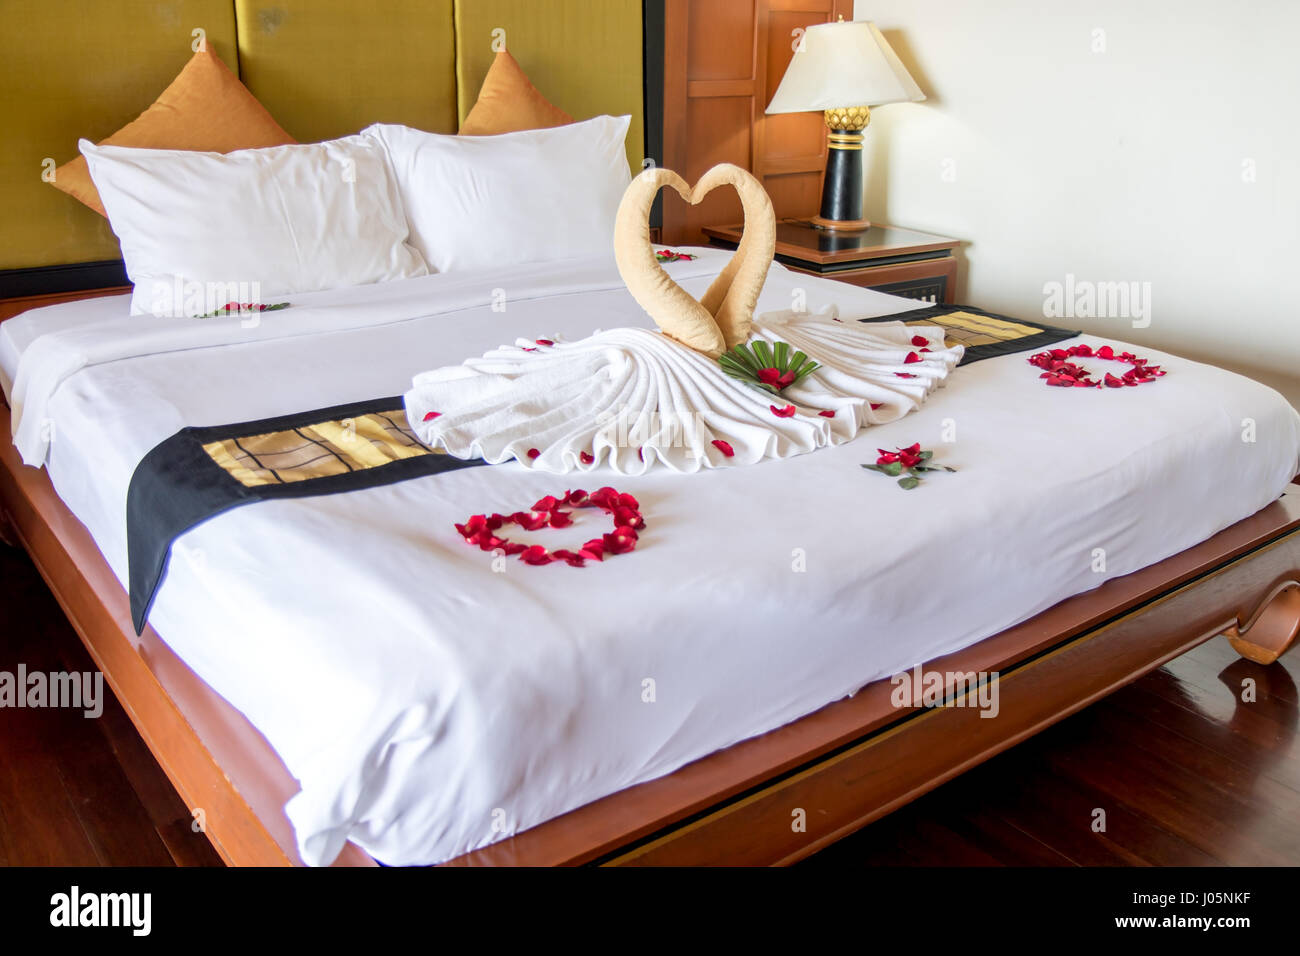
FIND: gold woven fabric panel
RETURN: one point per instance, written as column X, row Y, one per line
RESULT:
column 329, row 68
column 320, row 450
column 584, row 56
column 964, row 328
column 76, row 69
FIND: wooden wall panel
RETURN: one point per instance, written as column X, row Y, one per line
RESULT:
column 723, row 60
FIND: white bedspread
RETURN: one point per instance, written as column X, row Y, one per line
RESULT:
column 430, row 705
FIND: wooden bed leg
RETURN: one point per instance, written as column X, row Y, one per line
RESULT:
column 1271, row 629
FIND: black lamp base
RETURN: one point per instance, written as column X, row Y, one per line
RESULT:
column 842, row 187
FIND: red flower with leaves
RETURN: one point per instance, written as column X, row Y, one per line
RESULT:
column 775, row 377
column 914, row 460
column 667, row 255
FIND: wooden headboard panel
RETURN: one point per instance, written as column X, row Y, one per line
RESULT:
column 323, row 68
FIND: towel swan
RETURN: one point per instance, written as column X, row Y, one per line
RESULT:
column 632, row 398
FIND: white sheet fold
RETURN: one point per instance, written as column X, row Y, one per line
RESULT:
column 633, row 397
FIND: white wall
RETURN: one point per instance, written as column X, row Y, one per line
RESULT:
column 1131, row 163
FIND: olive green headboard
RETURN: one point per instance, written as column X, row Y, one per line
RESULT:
column 324, row 68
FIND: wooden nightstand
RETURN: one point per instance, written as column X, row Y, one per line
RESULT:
column 913, row 264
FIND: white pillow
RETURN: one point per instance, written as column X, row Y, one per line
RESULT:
column 531, row 196
column 199, row 230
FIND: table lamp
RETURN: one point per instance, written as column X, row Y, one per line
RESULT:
column 843, row 69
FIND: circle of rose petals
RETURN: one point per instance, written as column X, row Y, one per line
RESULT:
column 549, row 512
column 1059, row 371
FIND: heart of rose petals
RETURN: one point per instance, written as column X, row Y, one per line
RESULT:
column 548, row 511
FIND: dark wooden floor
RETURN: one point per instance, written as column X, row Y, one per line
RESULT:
column 1185, row 773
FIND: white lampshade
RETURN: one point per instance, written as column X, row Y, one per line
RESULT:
column 843, row 64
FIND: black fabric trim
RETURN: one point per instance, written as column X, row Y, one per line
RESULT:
column 72, row 277
column 1050, row 335
column 652, row 92
column 177, row 486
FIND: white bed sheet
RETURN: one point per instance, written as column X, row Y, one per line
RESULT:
column 429, row 705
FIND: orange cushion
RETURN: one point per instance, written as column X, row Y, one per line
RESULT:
column 508, row 102
column 205, row 108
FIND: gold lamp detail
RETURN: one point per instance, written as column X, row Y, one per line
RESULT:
column 843, row 69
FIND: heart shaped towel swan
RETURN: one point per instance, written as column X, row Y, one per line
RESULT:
column 630, row 398
column 722, row 319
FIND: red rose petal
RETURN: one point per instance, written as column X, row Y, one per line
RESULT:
column 621, row 541
column 724, row 447
column 905, row 375
column 545, row 342
column 876, row 405
column 430, row 416
column 787, row 412
column 911, row 357
column 919, row 340
column 827, row 414
column 535, row 555
column 533, row 453
column 586, row 458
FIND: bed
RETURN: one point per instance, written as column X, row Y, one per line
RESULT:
column 340, row 679
column 487, row 703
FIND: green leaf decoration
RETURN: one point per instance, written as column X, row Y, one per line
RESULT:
column 893, row 469
column 744, row 362
column 908, row 483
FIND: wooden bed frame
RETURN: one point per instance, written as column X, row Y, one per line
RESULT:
column 843, row 766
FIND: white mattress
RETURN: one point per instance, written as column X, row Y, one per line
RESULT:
column 429, row 706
